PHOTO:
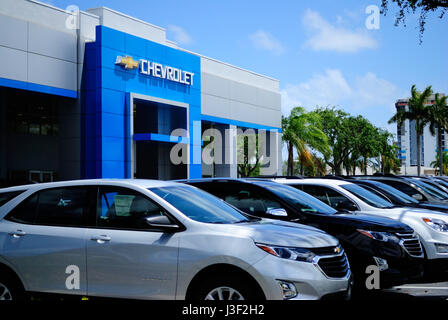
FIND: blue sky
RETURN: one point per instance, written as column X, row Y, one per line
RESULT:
column 321, row 51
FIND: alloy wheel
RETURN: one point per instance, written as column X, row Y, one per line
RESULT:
column 224, row 293
column 5, row 294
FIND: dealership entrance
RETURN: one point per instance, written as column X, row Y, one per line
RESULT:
column 156, row 126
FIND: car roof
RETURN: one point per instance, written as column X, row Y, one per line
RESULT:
column 144, row 183
column 332, row 182
column 223, row 179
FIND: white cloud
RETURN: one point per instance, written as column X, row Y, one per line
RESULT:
column 179, row 34
column 265, row 41
column 320, row 90
column 327, row 37
column 332, row 88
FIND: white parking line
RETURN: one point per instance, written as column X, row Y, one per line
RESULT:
column 424, row 288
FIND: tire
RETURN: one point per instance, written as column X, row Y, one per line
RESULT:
column 10, row 289
column 227, row 287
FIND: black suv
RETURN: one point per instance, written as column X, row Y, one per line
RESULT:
column 419, row 191
column 396, row 196
column 367, row 240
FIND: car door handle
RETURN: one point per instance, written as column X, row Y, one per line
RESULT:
column 17, row 233
column 101, row 239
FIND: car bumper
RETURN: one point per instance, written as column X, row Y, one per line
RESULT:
column 310, row 282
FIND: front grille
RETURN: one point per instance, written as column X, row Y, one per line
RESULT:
column 327, row 251
column 334, row 267
column 410, row 242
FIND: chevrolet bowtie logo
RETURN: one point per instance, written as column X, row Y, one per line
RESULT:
column 337, row 250
column 127, row 62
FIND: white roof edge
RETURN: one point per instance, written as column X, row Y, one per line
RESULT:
column 50, row 6
column 44, row 4
column 230, row 65
column 89, row 14
column 128, row 17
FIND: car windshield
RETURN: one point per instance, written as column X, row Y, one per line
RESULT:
column 396, row 193
column 441, row 182
column 299, row 199
column 199, row 205
column 368, row 197
column 429, row 189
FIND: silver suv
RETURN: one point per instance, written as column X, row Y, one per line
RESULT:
column 145, row 239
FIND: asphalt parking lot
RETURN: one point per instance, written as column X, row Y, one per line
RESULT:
column 419, row 291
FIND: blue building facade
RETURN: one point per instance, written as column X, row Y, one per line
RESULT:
column 107, row 98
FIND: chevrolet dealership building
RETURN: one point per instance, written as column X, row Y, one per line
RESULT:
column 99, row 94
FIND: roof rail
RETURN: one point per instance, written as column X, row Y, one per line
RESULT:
column 391, row 175
column 276, row 177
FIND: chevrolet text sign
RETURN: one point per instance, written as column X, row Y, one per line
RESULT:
column 156, row 70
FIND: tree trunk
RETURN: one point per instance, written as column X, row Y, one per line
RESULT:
column 419, row 153
column 440, row 150
column 365, row 166
column 290, row 159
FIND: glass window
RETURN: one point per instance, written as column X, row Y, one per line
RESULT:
column 367, row 196
column 432, row 190
column 428, row 189
column 199, row 205
column 396, row 193
column 25, row 212
column 122, row 208
column 299, row 199
column 403, row 187
column 326, row 195
column 62, row 206
column 7, row 196
column 250, row 199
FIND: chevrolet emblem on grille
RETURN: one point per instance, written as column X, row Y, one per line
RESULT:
column 337, row 250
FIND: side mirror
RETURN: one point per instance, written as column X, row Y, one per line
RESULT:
column 417, row 196
column 346, row 205
column 161, row 222
column 279, row 212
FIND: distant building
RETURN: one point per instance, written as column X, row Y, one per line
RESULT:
column 407, row 144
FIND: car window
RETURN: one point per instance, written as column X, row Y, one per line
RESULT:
column 62, row 206
column 250, row 199
column 438, row 194
column 376, row 192
column 25, row 212
column 8, row 196
column 367, row 196
column 326, row 195
column 122, row 208
column 389, row 190
column 199, row 205
column 403, row 187
column 302, row 201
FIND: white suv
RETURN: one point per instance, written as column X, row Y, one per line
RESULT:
column 431, row 226
column 144, row 239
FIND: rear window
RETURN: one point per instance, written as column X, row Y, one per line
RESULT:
column 8, row 196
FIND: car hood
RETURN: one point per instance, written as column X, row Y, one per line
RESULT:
column 280, row 233
column 367, row 222
column 402, row 213
column 434, row 206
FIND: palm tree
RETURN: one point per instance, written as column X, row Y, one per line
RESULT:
column 438, row 120
column 436, row 163
column 289, row 136
column 303, row 130
column 416, row 111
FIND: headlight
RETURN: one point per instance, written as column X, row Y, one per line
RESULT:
column 381, row 236
column 297, row 254
column 437, row 224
